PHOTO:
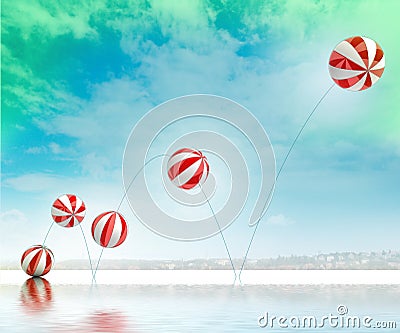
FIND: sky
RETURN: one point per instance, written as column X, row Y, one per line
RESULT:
column 77, row 76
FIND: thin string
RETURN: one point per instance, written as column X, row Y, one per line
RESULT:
column 279, row 172
column 137, row 174
column 97, row 266
column 220, row 231
column 84, row 238
column 122, row 200
column 87, row 249
column 48, row 231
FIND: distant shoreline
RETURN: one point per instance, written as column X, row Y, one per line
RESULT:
column 381, row 260
column 210, row 277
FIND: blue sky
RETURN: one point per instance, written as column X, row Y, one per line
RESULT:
column 78, row 77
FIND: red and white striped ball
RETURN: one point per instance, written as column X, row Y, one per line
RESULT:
column 187, row 168
column 356, row 63
column 68, row 210
column 37, row 260
column 109, row 229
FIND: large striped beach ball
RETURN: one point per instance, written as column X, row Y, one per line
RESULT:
column 187, row 168
column 109, row 229
column 37, row 260
column 68, row 210
column 356, row 63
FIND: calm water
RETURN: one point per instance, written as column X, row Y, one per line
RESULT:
column 38, row 306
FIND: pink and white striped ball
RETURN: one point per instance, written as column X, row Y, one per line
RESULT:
column 37, row 260
column 68, row 210
column 109, row 229
column 188, row 168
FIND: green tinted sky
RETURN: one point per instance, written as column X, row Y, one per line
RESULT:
column 77, row 76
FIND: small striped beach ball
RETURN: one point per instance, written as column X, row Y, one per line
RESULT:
column 37, row 260
column 68, row 210
column 356, row 63
column 187, row 168
column 109, row 229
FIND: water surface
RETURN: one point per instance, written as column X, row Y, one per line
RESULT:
column 38, row 306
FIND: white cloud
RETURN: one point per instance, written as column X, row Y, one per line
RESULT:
column 53, row 18
column 102, row 126
column 55, row 148
column 280, row 220
column 13, row 216
column 193, row 57
column 103, row 123
column 52, row 183
column 36, row 96
column 36, row 150
column 34, row 182
column 111, row 112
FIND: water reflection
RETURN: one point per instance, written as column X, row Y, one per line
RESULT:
column 133, row 308
column 99, row 322
column 103, row 321
column 36, row 294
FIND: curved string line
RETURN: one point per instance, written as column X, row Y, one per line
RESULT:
column 280, row 170
column 84, row 238
column 137, row 174
column 122, row 200
column 87, row 249
column 47, row 234
column 97, row 266
column 129, row 186
column 220, row 231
